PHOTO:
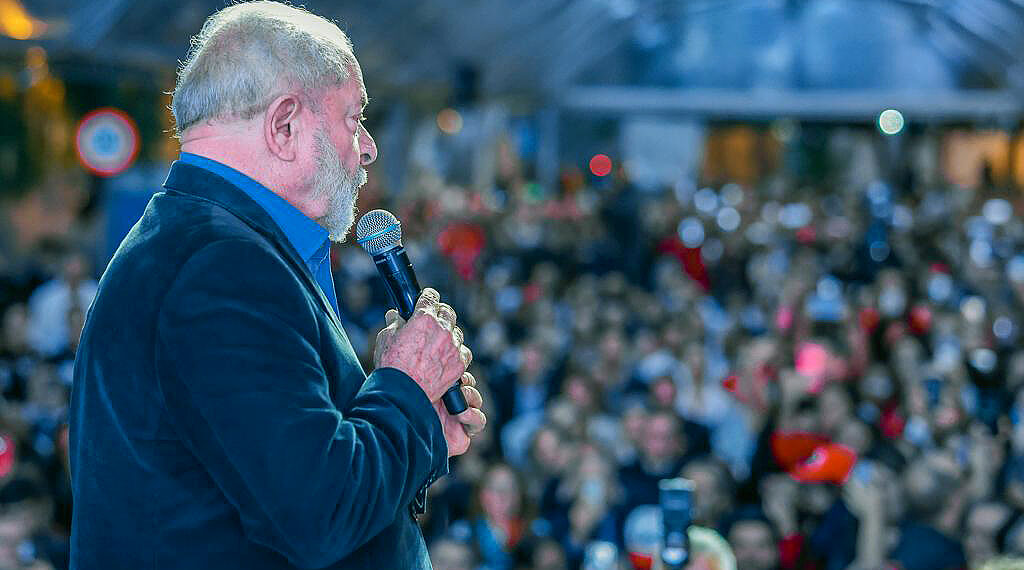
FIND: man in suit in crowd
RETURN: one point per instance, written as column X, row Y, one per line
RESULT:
column 220, row 417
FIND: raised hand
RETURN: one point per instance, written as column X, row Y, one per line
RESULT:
column 428, row 347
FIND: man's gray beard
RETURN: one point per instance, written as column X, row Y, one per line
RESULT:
column 340, row 186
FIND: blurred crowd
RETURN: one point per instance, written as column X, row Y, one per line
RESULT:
column 44, row 302
column 836, row 368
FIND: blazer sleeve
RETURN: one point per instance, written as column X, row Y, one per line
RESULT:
column 244, row 386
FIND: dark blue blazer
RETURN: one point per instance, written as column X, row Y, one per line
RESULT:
column 219, row 416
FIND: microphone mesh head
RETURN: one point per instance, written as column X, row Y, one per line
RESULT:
column 378, row 231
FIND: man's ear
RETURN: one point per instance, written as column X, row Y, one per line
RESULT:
column 281, row 126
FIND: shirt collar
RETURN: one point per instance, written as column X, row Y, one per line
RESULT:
column 306, row 236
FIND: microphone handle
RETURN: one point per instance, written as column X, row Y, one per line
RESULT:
column 403, row 289
column 396, row 270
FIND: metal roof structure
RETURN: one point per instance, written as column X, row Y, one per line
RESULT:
column 546, row 47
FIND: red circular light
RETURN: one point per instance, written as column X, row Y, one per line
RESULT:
column 601, row 165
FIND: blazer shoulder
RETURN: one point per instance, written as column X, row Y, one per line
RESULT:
column 189, row 224
column 203, row 217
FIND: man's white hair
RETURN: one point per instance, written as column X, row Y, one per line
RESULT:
column 250, row 53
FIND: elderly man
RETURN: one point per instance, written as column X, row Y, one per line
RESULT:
column 220, row 418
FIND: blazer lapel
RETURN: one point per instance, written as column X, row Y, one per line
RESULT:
column 203, row 184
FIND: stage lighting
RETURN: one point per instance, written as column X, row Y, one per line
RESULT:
column 600, row 165
column 890, row 121
column 449, row 121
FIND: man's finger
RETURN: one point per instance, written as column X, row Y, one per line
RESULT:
column 465, row 354
column 428, row 298
column 473, row 397
column 446, row 315
column 473, row 421
column 468, row 379
column 392, row 317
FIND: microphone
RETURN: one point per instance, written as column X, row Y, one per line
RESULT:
column 380, row 234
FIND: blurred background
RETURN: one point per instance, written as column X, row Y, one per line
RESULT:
column 768, row 245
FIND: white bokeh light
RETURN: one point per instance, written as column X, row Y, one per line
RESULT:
column 890, row 121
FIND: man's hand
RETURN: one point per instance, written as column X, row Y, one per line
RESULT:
column 428, row 347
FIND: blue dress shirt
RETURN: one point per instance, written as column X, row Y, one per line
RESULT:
column 309, row 238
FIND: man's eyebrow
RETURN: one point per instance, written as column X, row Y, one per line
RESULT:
column 365, row 100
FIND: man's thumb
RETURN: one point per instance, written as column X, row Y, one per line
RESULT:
column 392, row 316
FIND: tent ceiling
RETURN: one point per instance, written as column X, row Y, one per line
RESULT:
column 542, row 45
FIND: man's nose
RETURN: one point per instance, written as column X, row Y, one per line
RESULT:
column 367, row 150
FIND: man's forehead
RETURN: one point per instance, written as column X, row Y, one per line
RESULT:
column 351, row 93
column 357, row 78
